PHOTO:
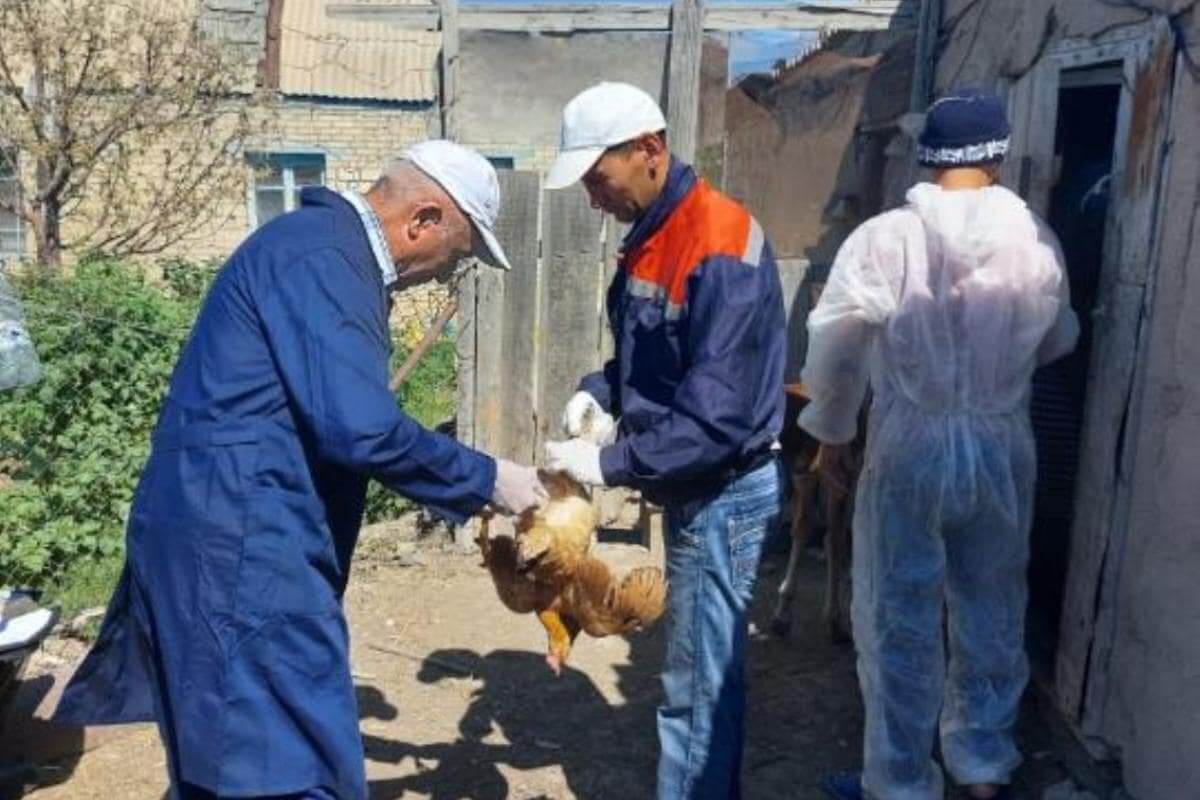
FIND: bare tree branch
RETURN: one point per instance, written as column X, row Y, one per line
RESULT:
column 128, row 120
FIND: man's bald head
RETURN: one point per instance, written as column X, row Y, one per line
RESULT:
column 426, row 231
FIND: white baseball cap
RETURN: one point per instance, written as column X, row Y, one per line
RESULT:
column 471, row 182
column 596, row 119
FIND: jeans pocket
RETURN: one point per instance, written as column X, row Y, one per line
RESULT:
column 746, row 540
column 686, row 524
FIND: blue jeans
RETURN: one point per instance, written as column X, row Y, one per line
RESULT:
column 187, row 791
column 713, row 549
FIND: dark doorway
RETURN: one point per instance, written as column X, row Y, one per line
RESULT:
column 1084, row 145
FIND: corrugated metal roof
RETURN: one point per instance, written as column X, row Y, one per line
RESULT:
column 325, row 56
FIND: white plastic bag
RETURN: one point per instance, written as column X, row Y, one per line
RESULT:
column 19, row 365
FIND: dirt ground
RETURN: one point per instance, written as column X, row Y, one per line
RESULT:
column 456, row 701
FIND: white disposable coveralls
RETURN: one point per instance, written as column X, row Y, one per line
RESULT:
column 944, row 307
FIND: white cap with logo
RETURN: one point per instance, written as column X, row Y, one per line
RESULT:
column 471, row 183
column 596, row 119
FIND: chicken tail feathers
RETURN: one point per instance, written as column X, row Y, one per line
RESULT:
column 606, row 606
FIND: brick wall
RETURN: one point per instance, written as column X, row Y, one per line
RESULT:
column 356, row 140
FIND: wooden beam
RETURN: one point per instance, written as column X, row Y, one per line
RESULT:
column 929, row 25
column 268, row 66
column 869, row 15
column 683, row 86
column 448, row 24
column 566, row 18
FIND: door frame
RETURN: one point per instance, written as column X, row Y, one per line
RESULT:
column 1147, row 55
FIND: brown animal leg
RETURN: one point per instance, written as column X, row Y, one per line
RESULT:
column 483, row 538
column 837, row 551
column 804, row 497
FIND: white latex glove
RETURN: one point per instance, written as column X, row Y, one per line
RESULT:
column 585, row 419
column 518, row 488
column 577, row 458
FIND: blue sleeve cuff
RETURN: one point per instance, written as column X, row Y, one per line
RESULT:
column 596, row 384
column 477, row 492
column 614, row 465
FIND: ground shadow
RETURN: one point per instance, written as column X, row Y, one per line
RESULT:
column 34, row 753
column 523, row 717
column 803, row 716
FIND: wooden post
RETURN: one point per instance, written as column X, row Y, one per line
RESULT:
column 448, row 24
column 683, row 86
column 465, row 346
column 431, row 336
column 928, row 27
column 268, row 66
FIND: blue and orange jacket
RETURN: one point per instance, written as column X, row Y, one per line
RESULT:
column 697, row 317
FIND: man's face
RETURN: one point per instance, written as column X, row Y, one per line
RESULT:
column 617, row 181
column 433, row 247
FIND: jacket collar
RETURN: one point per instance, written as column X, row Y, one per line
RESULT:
column 349, row 226
column 680, row 180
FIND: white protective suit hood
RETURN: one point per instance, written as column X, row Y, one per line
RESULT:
column 948, row 304
column 968, row 225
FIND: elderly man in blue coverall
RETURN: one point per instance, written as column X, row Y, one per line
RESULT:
column 696, row 390
column 226, row 627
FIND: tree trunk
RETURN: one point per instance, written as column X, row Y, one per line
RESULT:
column 47, row 233
column 47, row 219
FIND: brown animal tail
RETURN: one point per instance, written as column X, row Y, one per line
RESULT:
column 606, row 607
column 642, row 596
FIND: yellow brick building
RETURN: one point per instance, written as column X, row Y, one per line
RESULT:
column 351, row 95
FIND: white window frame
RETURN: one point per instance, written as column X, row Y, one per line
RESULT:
column 18, row 223
column 287, row 172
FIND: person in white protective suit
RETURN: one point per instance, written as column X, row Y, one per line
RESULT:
column 943, row 308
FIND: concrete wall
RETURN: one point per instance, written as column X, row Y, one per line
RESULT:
column 1148, row 708
column 513, row 86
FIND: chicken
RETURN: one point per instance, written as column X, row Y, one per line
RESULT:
column 548, row 569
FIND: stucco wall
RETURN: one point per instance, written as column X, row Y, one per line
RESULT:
column 804, row 150
column 1152, row 708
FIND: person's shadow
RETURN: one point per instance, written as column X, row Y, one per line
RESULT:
column 34, row 753
column 604, row 749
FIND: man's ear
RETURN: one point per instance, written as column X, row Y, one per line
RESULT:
column 425, row 215
column 653, row 145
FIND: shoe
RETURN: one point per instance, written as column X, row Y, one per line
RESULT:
column 844, row 786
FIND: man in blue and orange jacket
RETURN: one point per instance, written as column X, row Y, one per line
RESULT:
column 694, row 402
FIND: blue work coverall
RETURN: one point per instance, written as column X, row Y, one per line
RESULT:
column 227, row 627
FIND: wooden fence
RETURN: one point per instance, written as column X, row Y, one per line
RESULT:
column 525, row 337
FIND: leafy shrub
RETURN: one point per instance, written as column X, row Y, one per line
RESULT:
column 428, row 396
column 72, row 446
column 74, row 443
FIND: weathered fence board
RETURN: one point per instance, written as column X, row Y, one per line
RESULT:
column 465, row 351
column 518, row 232
column 528, row 335
column 569, row 329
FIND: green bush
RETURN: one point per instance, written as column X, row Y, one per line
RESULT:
column 74, row 443
column 72, row 446
column 428, row 396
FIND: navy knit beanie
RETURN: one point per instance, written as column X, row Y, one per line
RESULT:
column 965, row 128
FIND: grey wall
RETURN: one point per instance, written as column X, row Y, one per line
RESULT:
column 513, row 86
column 1152, row 708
